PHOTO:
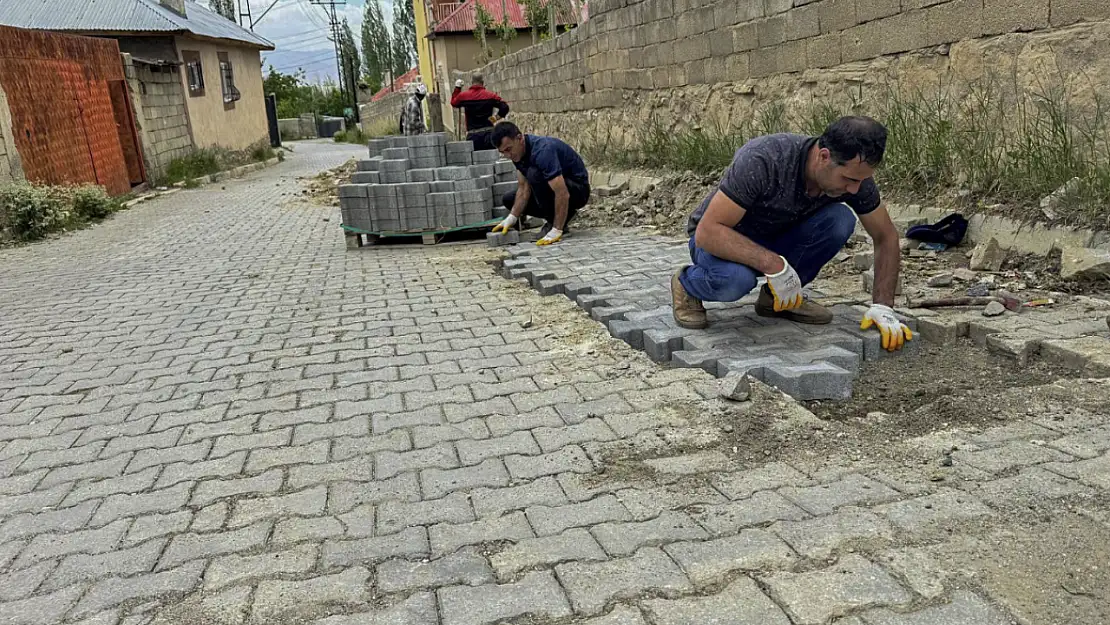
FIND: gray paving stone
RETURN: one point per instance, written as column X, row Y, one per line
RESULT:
column 548, row 521
column 260, row 460
column 122, row 563
column 394, row 516
column 853, row 489
column 98, row 489
column 143, row 458
column 743, row 484
column 475, row 451
column 212, row 490
column 410, row 542
column 278, row 601
column 288, row 531
column 537, row 594
column 113, row 591
column 588, row 430
column 390, row 463
column 86, row 470
column 308, row 502
column 359, row 521
column 45, row 546
column 439, row 482
column 34, row 501
column 228, row 570
column 1094, row 472
column 619, row 615
column 761, row 508
column 572, row 545
column 922, row 573
column 343, row 496
column 821, row 537
column 690, row 464
column 590, row 586
column 963, row 609
column 934, row 513
column 740, row 603
column 1032, row 484
column 708, row 562
column 154, row 525
column 418, row 609
column 228, row 606
column 186, row 547
column 40, row 609
column 492, row 502
column 190, row 471
column 502, row 424
column 852, row 584
column 16, row 585
column 622, row 539
column 356, row 469
column 1011, row 455
column 463, row 567
column 345, row 448
column 447, row 538
column 62, row 520
column 567, row 459
column 471, row 429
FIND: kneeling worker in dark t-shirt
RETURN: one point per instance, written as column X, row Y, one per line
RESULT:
column 553, row 181
column 785, row 208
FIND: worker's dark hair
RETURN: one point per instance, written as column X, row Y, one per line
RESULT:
column 477, row 79
column 849, row 137
column 502, row 130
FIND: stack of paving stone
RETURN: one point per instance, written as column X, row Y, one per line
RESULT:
column 425, row 183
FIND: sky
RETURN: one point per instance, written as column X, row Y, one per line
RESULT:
column 300, row 32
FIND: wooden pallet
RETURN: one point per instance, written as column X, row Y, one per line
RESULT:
column 361, row 238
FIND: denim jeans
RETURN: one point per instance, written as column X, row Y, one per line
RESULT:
column 808, row 248
column 541, row 203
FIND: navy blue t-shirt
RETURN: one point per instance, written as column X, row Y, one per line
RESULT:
column 553, row 158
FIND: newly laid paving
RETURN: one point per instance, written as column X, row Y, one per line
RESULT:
column 211, row 412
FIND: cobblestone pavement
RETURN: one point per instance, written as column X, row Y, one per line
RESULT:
column 213, row 413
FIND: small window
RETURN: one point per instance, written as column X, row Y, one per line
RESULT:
column 194, row 73
column 227, row 81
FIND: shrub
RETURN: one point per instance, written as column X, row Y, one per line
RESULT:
column 29, row 212
column 92, row 202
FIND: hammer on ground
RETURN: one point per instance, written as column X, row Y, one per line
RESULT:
column 1011, row 303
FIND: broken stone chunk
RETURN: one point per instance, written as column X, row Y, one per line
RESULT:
column 941, row 280
column 988, row 256
column 994, row 309
column 735, row 387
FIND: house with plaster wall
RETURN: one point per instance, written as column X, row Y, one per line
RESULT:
column 195, row 77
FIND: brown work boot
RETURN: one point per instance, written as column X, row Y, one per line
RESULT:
column 809, row 312
column 688, row 310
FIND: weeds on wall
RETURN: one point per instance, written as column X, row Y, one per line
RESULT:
column 29, row 212
column 206, row 161
column 982, row 148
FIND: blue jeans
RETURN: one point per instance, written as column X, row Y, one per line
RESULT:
column 808, row 248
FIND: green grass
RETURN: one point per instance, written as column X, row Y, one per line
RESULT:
column 206, row 161
column 975, row 150
column 29, row 212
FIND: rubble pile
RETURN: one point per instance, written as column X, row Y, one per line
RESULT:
column 323, row 188
column 664, row 208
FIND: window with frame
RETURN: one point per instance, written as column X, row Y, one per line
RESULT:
column 227, row 81
column 194, row 72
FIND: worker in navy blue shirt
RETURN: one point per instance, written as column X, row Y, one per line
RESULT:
column 553, row 181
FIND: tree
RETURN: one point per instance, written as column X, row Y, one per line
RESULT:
column 404, row 37
column 483, row 25
column 349, row 63
column 535, row 13
column 376, row 47
column 295, row 96
column 225, row 8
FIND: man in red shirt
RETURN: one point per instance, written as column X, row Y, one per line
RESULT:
column 479, row 104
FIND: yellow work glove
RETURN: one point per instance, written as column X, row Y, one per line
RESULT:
column 786, row 287
column 553, row 236
column 895, row 333
column 506, row 223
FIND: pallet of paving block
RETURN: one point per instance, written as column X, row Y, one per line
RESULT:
column 354, row 235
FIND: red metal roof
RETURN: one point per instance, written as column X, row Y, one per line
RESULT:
column 397, row 85
column 462, row 19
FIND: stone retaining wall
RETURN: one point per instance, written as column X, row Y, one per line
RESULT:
column 703, row 62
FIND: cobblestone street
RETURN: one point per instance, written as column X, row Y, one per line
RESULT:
column 212, row 413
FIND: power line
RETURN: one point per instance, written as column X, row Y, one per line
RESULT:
column 305, row 63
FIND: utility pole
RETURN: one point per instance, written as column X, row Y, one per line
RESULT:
column 333, row 23
column 245, row 20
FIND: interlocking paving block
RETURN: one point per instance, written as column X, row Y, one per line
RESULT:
column 428, row 162
column 459, row 147
column 421, row 175
column 366, row 177
column 964, row 608
column 486, row 156
column 398, row 141
column 394, row 165
column 537, row 594
column 816, row 597
column 393, row 177
column 376, row 146
column 708, row 562
column 395, row 153
column 660, row 344
column 820, row 380
column 504, row 167
column 470, row 184
column 371, row 164
column 740, row 602
column 453, row 173
column 591, row 586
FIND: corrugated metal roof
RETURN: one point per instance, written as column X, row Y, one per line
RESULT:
column 124, row 16
column 462, row 20
column 398, row 84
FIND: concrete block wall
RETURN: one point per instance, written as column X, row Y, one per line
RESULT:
column 632, row 51
column 384, row 113
column 410, row 185
column 163, row 122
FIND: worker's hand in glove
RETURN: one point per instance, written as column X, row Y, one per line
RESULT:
column 458, row 84
column 553, row 236
column 786, row 287
column 506, row 223
column 895, row 333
